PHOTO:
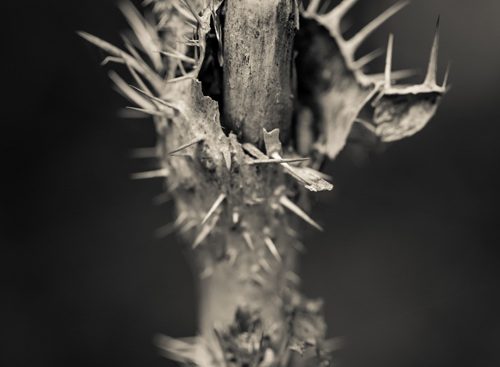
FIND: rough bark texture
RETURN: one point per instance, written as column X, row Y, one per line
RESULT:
column 238, row 184
column 258, row 50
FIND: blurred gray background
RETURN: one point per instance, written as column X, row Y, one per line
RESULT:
column 408, row 267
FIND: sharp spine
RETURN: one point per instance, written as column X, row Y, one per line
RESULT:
column 341, row 10
column 365, row 60
column 214, row 207
column 364, row 33
column 248, row 240
column 146, row 111
column 388, row 61
column 431, row 76
column 153, row 98
column 185, row 146
column 272, row 248
column 287, row 203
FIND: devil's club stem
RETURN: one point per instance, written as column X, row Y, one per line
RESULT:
column 258, row 51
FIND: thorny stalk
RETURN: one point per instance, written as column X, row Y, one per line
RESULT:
column 248, row 98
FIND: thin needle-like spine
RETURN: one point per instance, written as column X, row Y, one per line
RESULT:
column 213, row 208
column 287, row 203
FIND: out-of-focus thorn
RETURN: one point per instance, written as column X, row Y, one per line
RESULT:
column 248, row 240
column 146, row 111
column 205, row 231
column 367, row 125
column 141, row 31
column 214, row 207
column 150, row 174
column 179, row 78
column 292, row 277
column 236, row 217
column 431, row 76
column 187, row 3
column 265, row 265
column 125, row 90
column 299, row 246
column 287, row 203
column 110, row 59
column 272, row 248
column 178, row 56
column 313, row 6
column 333, row 344
column 365, row 60
column 363, row 34
column 207, row 272
column 145, row 153
column 153, row 98
column 232, row 255
column 185, row 146
column 170, row 228
column 162, row 198
column 258, row 280
column 388, row 61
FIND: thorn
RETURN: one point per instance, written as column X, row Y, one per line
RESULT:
column 205, row 231
column 272, row 248
column 313, row 6
column 140, row 29
column 232, row 255
column 169, row 228
column 265, row 265
column 277, row 160
column 145, row 153
column 178, row 56
column 150, row 174
column 187, row 226
column 340, row 10
column 402, row 74
column 299, row 246
column 179, row 78
column 363, row 34
column 136, row 77
column 395, row 75
column 291, row 232
column 138, row 65
column 292, row 277
column 226, row 155
column 446, row 76
column 214, row 207
column 236, row 217
column 185, row 146
column 366, row 124
column 153, row 98
column 125, row 90
column 388, row 61
column 162, row 198
column 258, row 279
column 207, row 272
column 365, row 60
column 110, row 59
column 248, row 240
column 195, row 14
column 147, row 111
column 431, row 76
column 287, row 203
